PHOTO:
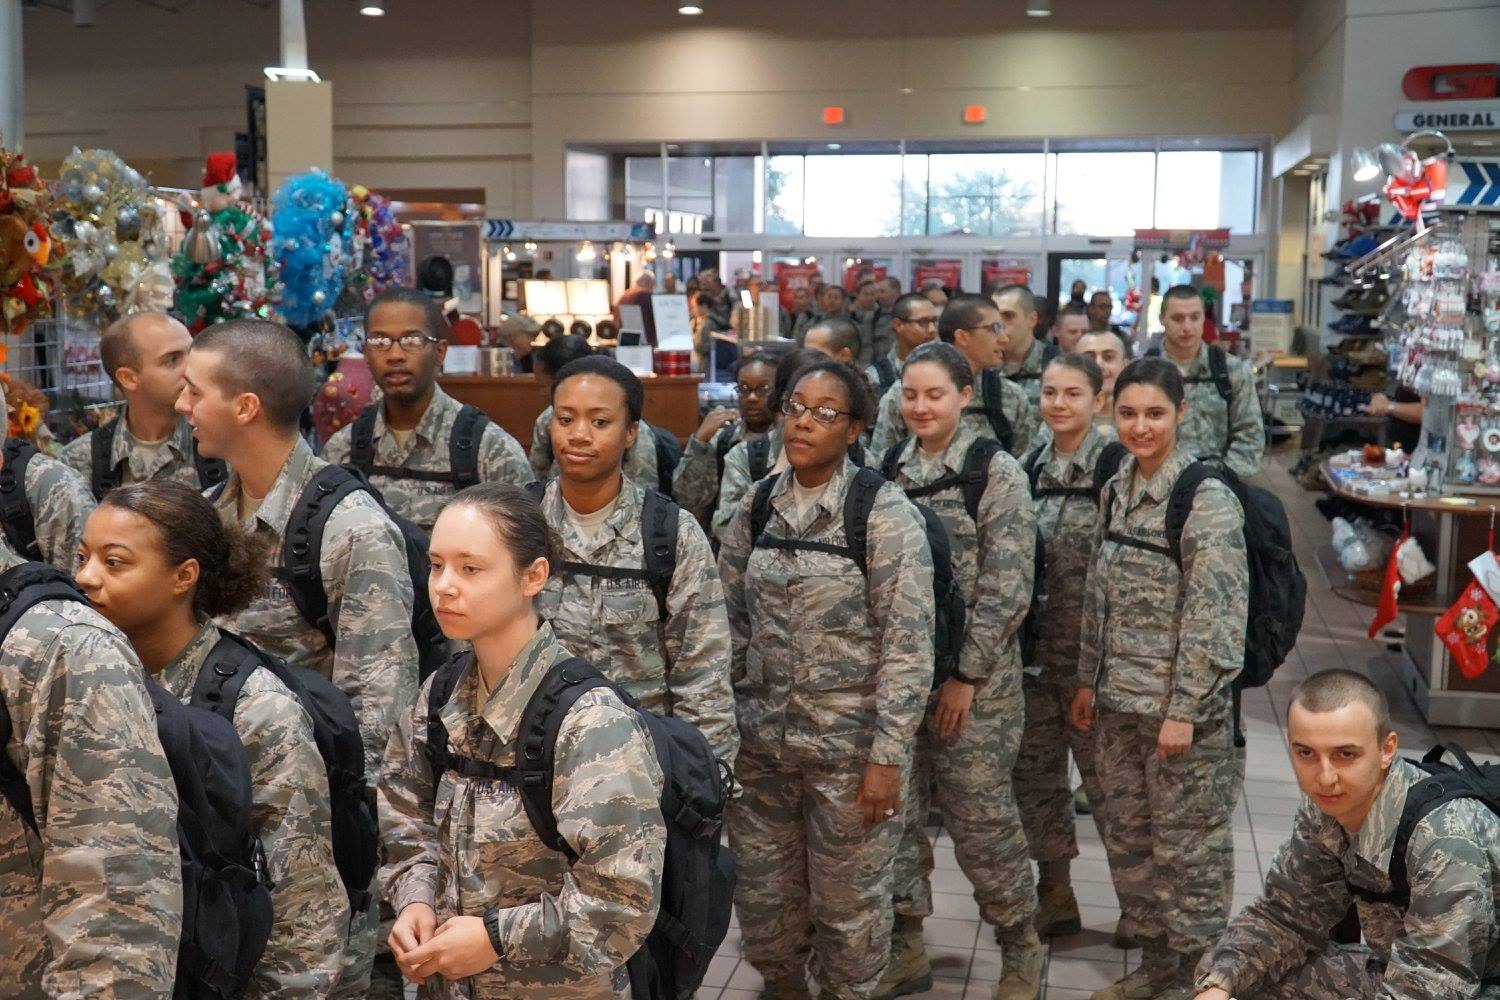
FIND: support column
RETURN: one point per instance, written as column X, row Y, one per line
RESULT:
column 12, row 75
column 299, row 128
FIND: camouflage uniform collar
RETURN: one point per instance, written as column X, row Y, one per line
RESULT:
column 952, row 458
column 895, row 359
column 1063, row 469
column 829, row 502
column 180, row 440
column 1377, row 837
column 1159, row 486
column 434, row 421
column 502, row 709
column 622, row 520
column 1031, row 364
column 276, row 509
column 181, row 674
column 1198, row 365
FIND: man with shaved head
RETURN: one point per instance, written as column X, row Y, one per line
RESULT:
column 1439, row 938
column 144, row 355
column 1024, row 355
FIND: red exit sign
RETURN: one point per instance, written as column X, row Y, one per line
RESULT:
column 1472, row 81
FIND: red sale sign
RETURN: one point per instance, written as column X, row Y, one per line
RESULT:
column 789, row 278
column 859, row 274
column 948, row 273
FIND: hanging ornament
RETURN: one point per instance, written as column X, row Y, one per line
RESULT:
column 1465, row 629
column 202, row 244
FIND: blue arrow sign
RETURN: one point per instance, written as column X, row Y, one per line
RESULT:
column 1474, row 184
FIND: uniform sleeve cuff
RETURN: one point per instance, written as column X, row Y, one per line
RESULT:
column 520, row 940
column 414, row 890
column 1214, row 978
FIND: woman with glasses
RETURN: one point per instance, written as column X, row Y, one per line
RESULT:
column 971, row 732
column 828, row 580
column 635, row 590
column 404, row 444
column 695, row 484
column 1163, row 636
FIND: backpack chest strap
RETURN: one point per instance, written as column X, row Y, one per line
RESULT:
column 419, row 475
column 1137, row 543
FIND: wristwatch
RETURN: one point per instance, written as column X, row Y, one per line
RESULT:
column 492, row 927
column 971, row 681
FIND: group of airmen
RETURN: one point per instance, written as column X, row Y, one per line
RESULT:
column 783, row 603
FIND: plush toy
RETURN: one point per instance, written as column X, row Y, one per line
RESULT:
column 26, row 262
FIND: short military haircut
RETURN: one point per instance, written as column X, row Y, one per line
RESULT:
column 842, row 333
column 963, row 312
column 892, row 282
column 837, row 288
column 264, row 359
column 902, row 307
column 607, row 368
column 1180, row 292
column 1025, row 298
column 1072, row 309
column 117, row 345
column 404, row 295
column 1331, row 690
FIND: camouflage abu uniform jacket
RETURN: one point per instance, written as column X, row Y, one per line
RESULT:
column 829, row 663
column 138, row 461
column 992, row 559
column 463, row 845
column 695, row 482
column 1067, row 525
column 890, row 427
column 61, row 503
column 1158, row 641
column 1442, row 947
column 291, row 814
column 677, row 667
column 1214, row 429
column 363, row 564
column 640, row 460
column 426, row 450
column 94, row 907
column 1028, row 373
column 736, row 482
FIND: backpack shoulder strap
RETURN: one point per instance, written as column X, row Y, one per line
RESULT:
column 976, row 474
column 13, row 786
column 891, row 463
column 1218, row 370
column 992, row 387
column 302, row 548
column 667, row 455
column 1180, row 503
column 102, row 474
column 213, row 473
column 362, row 440
column 221, row 678
column 439, row 692
column 758, row 457
column 760, row 509
column 463, row 445
column 1032, row 463
column 659, row 524
column 885, row 369
column 16, row 516
column 858, row 503
column 723, row 442
column 1107, row 464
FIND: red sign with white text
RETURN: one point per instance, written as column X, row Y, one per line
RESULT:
column 1466, row 82
column 1006, row 272
column 789, row 278
column 859, row 273
column 948, row 273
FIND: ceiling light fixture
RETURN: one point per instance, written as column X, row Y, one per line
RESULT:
column 291, row 73
column 372, row 8
column 690, row 9
column 1038, row 8
column 1366, row 166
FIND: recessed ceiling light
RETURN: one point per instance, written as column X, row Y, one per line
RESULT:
column 372, row 8
column 690, row 9
column 1038, row 8
column 835, row 145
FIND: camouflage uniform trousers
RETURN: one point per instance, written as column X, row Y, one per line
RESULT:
column 812, row 885
column 972, row 783
column 366, row 935
column 1041, row 775
column 1338, row 972
column 1166, row 826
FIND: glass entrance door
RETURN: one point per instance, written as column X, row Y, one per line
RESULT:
column 1090, row 273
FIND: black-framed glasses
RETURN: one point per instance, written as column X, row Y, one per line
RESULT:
column 929, row 321
column 755, row 390
column 825, row 415
column 410, row 342
column 995, row 328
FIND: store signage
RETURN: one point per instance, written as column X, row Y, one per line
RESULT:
column 1181, row 239
column 1472, row 116
column 1473, row 184
column 1451, row 83
column 1271, row 328
column 1006, row 271
column 526, row 229
column 789, row 278
column 948, row 273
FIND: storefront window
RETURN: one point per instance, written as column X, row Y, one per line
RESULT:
column 642, row 186
column 986, row 194
column 1102, row 194
column 1207, row 189
column 856, row 195
column 783, row 200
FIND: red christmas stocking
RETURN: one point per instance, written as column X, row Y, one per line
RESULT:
column 1465, row 629
column 1386, row 610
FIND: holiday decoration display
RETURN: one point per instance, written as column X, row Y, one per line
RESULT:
column 111, row 231
column 27, row 266
column 222, row 270
column 386, row 250
column 1390, row 589
column 25, row 406
column 343, row 395
column 314, row 245
column 1465, row 629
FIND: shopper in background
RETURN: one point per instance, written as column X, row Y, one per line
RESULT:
column 695, row 484
column 1024, row 353
column 796, row 320
column 144, row 355
column 715, row 347
column 882, row 331
column 665, row 641
column 935, row 293
column 1063, row 474
column 517, row 333
column 248, row 381
column 1161, row 644
column 1071, row 324
column 90, row 874
column 158, row 563
column 865, row 311
column 722, row 301
column 410, row 430
column 913, row 323
column 1438, row 943
column 485, row 909
column 639, row 295
column 1223, row 421
column 832, row 665
column 1000, row 409
column 971, row 732
column 52, row 503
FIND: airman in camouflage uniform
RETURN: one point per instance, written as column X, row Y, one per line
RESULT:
column 640, row 460
column 993, row 566
column 94, row 907
column 890, row 428
column 137, row 461
column 736, row 482
column 1446, row 943
column 831, row 672
column 374, row 658
column 1066, row 525
column 463, row 845
column 1230, row 432
column 61, row 503
column 678, row 666
column 292, row 816
column 1027, row 373
column 425, row 450
column 695, row 483
column 1159, row 643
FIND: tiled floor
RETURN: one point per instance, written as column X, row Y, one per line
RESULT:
column 964, row 956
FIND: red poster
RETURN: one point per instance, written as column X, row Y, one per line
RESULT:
column 1006, row 272
column 948, row 273
column 790, row 277
column 860, row 272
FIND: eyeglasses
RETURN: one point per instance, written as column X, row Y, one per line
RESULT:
column 996, row 327
column 929, row 321
column 825, row 415
column 410, row 342
column 755, row 390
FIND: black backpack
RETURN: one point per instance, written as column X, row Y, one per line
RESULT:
column 226, row 899
column 15, row 509
column 104, row 476
column 991, row 394
column 355, row 832
column 668, row 454
column 463, row 449
column 1105, row 467
column 885, row 372
column 1278, row 590
column 1444, row 784
column 951, row 613
column 659, row 523
column 301, row 553
column 698, row 874
column 1050, row 350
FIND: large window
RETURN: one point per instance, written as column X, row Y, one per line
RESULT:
column 1103, row 194
column 1207, row 189
column 984, row 194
